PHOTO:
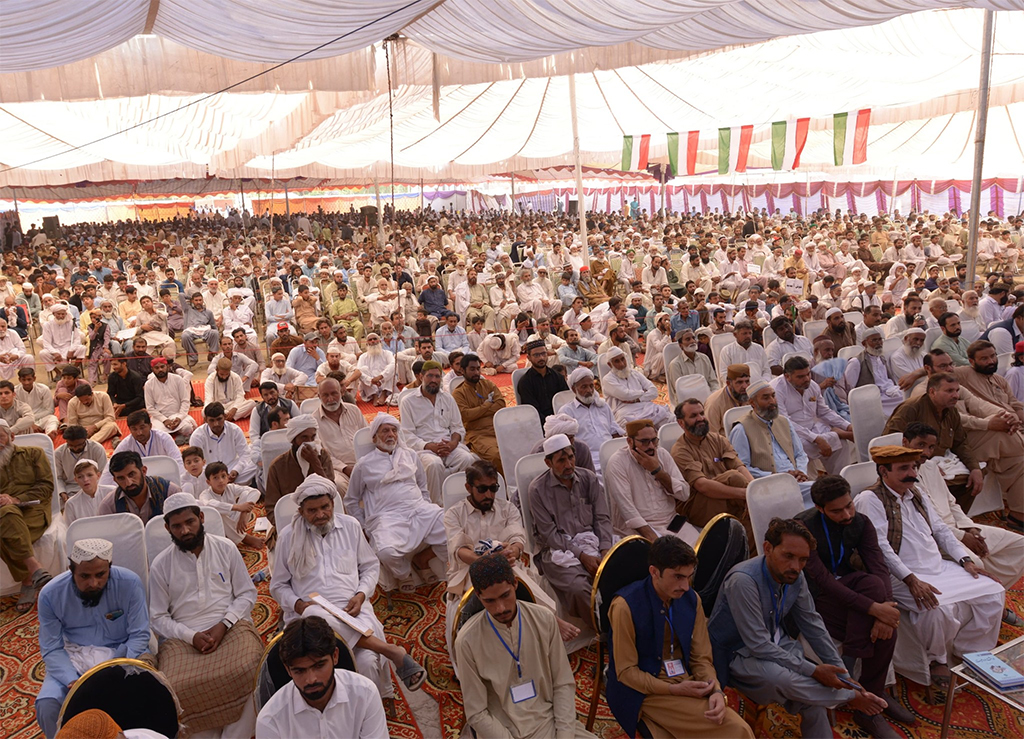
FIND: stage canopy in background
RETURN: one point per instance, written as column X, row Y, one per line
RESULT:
column 480, row 87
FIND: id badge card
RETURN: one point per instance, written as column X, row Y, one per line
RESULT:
column 674, row 667
column 523, row 692
column 777, row 636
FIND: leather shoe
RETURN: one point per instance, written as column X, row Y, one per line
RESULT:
column 876, row 726
column 898, row 712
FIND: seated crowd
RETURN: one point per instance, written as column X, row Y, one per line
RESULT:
column 761, row 327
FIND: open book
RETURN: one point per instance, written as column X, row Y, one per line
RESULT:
column 339, row 613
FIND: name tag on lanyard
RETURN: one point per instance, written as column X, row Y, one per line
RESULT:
column 674, row 667
column 523, row 692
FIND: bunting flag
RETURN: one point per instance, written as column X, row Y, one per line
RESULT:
column 733, row 148
column 691, row 153
column 788, row 140
column 850, row 137
column 634, row 152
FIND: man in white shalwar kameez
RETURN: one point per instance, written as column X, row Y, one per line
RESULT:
column 821, row 430
column 12, row 353
column 870, row 368
column 596, row 421
column 377, row 367
column 630, row 394
column 388, row 495
column 325, row 552
column 224, row 386
column 944, row 602
column 432, row 427
column 223, row 441
column 168, row 400
column 62, row 341
column 906, row 364
column 499, row 353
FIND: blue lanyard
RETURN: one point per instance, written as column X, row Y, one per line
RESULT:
column 519, row 667
column 828, row 538
column 149, row 446
column 672, row 631
column 776, row 605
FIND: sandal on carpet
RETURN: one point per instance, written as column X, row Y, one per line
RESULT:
column 428, row 575
column 40, row 577
column 29, row 593
column 1015, row 524
column 411, row 673
column 939, row 675
column 1011, row 618
column 407, row 586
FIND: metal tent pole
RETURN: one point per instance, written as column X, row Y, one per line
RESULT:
column 581, row 206
column 979, row 143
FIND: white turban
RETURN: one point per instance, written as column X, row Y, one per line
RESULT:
column 614, row 352
column 580, row 373
column 833, row 311
column 560, row 423
column 868, row 333
column 556, row 443
column 380, row 420
column 313, row 487
column 302, row 553
column 297, row 425
column 89, row 549
column 494, row 341
column 5, row 425
column 635, row 296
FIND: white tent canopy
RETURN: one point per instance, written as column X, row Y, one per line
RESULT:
column 456, row 119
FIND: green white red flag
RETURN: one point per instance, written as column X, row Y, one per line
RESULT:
column 734, row 148
column 850, row 137
column 788, row 141
column 634, row 152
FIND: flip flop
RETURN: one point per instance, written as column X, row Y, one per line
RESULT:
column 26, row 598
column 40, row 577
column 407, row 586
column 411, row 673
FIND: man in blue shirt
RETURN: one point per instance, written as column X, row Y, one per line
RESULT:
column 88, row 615
column 451, row 336
column 433, row 298
column 307, row 358
column 684, row 318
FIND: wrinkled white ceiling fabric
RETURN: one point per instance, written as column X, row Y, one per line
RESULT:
column 328, row 117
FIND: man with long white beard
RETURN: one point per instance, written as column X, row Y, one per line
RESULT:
column 324, row 552
column 596, row 421
column 337, row 423
column 286, row 378
column 388, row 496
column 12, row 353
column 533, row 299
column 906, row 364
column 62, row 341
column 630, row 394
column 93, row 613
column 376, row 365
column 872, row 369
column 972, row 324
column 499, row 353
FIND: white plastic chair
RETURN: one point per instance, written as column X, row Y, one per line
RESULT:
column 272, row 445
column 733, row 416
column 930, row 335
column 1005, row 360
column 603, row 366
column 691, row 386
column 528, row 469
column 867, row 417
column 893, row 439
column 892, row 344
column 124, row 530
column 813, row 329
column 854, row 316
column 719, row 342
column 158, row 538
column 309, row 405
column 668, row 435
column 767, row 337
column 517, row 374
column 162, row 466
column 861, row 476
column 456, row 381
column 669, row 354
column 789, row 355
column 362, row 442
column 851, row 352
column 768, row 497
column 454, row 489
column 562, row 398
column 517, row 430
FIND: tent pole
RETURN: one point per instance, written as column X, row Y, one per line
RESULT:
column 663, row 193
column 421, row 193
column 513, row 193
column 581, row 205
column 287, row 206
column 241, row 192
column 380, row 211
column 979, row 143
column 895, row 184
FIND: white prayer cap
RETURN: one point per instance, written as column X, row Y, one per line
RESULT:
column 84, row 461
column 313, row 487
column 912, row 331
column 380, row 420
column 756, row 387
column 494, row 341
column 578, row 374
column 584, row 317
column 234, row 292
column 27, row 286
column 555, row 443
column 275, row 355
column 59, row 307
column 868, row 333
column 301, row 422
column 178, row 501
column 560, row 423
column 803, row 305
column 86, row 550
column 833, row 311
column 635, row 296
column 614, row 352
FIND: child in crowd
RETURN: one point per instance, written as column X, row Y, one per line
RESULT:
column 195, row 464
column 235, row 503
column 86, row 502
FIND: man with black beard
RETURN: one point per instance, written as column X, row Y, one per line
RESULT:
column 92, row 613
column 321, row 700
column 717, row 478
column 136, row 493
column 951, row 341
column 201, row 597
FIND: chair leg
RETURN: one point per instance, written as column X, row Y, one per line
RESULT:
column 599, row 670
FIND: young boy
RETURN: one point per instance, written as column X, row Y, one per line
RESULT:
column 194, row 481
column 86, row 502
column 235, row 503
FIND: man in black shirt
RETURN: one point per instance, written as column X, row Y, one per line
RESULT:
column 125, row 387
column 538, row 386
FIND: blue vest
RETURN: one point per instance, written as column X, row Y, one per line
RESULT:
column 157, row 487
column 649, row 614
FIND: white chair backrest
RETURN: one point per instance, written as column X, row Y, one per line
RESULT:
column 930, row 335
column 669, row 354
column 44, row 442
column 309, row 405
column 603, row 368
column 1005, row 360
column 562, row 398
column 861, row 476
column 454, row 489
column 867, row 417
column 609, row 448
column 890, row 345
column 733, row 416
column 691, row 386
column 854, row 316
column 363, row 442
column 528, row 469
column 789, row 355
column 456, row 381
column 814, row 329
column 668, row 434
column 851, row 352
column 516, row 376
column 518, row 430
column 893, row 439
column 767, row 337
column 768, row 497
column 124, row 530
column 158, row 539
column 162, row 466
column 719, row 342
column 272, row 445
